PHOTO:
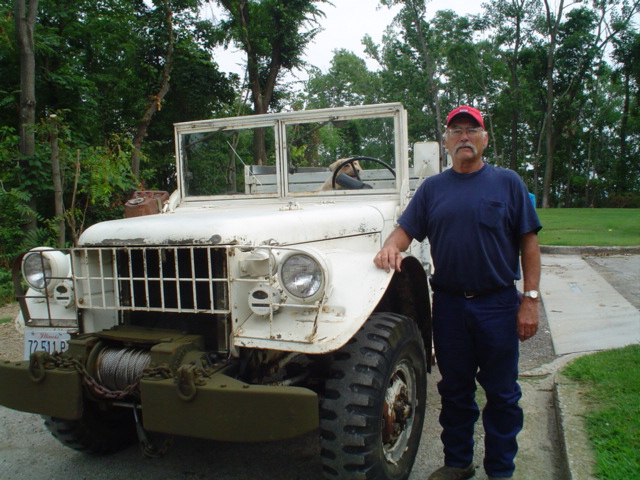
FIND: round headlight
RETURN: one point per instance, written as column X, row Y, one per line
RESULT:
column 43, row 268
column 36, row 270
column 302, row 276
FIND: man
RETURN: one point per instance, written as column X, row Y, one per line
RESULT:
column 478, row 219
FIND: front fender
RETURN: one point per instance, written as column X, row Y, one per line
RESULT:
column 356, row 287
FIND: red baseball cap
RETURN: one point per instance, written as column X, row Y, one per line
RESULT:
column 466, row 110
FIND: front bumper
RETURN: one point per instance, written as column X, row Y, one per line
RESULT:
column 222, row 409
column 226, row 409
column 212, row 406
column 57, row 393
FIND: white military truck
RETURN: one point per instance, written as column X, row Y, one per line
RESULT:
column 245, row 306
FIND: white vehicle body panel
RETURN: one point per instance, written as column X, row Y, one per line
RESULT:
column 229, row 224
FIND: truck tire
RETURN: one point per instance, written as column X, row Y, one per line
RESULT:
column 97, row 432
column 382, row 366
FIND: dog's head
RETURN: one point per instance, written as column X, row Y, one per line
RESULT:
column 352, row 169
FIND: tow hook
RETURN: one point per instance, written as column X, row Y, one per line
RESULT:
column 37, row 365
column 186, row 382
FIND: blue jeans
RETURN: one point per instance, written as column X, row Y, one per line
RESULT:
column 477, row 338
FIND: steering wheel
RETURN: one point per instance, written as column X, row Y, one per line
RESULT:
column 351, row 161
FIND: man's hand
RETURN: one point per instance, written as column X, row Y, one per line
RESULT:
column 388, row 258
column 528, row 315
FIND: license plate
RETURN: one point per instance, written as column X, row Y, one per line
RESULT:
column 50, row 340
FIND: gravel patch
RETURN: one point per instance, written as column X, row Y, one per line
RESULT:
column 10, row 339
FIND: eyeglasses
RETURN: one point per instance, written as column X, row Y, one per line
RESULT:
column 456, row 132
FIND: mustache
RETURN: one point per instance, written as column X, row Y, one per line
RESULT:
column 467, row 145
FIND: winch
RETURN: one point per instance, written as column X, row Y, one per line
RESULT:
column 117, row 368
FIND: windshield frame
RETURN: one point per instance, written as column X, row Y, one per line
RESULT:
column 279, row 123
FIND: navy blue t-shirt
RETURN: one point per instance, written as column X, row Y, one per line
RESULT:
column 474, row 223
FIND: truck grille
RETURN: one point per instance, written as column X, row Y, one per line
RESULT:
column 154, row 279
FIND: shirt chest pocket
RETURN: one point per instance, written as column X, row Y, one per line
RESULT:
column 493, row 214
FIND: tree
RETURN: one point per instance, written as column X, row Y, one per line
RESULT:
column 585, row 33
column 510, row 24
column 56, row 175
column 100, row 66
column 272, row 35
column 627, row 76
column 155, row 101
column 348, row 82
column 25, row 22
column 411, row 18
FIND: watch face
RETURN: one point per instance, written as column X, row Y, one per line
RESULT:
column 532, row 294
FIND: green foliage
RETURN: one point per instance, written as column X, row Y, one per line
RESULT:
column 498, row 61
column 100, row 63
column 107, row 172
column 320, row 144
column 613, row 417
column 273, row 35
column 271, row 25
column 14, row 201
column 6, row 288
column 214, row 160
column 348, row 82
column 13, row 209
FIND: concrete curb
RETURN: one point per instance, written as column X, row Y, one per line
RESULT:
column 570, row 409
column 586, row 250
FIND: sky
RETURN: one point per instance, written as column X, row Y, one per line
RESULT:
column 344, row 26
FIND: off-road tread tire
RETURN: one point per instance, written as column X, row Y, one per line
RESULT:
column 97, row 432
column 351, row 408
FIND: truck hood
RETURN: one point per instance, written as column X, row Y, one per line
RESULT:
column 278, row 224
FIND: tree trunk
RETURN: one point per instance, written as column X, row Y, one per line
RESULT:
column 620, row 169
column 553, row 25
column 71, row 214
column 25, row 20
column 155, row 104
column 261, row 95
column 260, row 105
column 433, row 89
column 515, row 110
column 57, row 180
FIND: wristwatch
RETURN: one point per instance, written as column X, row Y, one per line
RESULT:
column 533, row 294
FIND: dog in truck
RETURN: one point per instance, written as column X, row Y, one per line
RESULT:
column 352, row 169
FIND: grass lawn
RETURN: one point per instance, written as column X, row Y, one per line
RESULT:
column 590, row 226
column 613, row 390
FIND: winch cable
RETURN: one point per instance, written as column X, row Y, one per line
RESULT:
column 117, row 368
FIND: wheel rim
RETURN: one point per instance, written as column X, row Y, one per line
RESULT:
column 398, row 411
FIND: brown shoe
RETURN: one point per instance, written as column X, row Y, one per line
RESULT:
column 453, row 473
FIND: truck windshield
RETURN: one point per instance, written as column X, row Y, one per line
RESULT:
column 242, row 161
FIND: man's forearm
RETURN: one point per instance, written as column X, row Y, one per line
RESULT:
column 399, row 238
column 530, row 259
column 528, row 313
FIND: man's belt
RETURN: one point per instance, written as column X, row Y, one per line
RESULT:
column 470, row 294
